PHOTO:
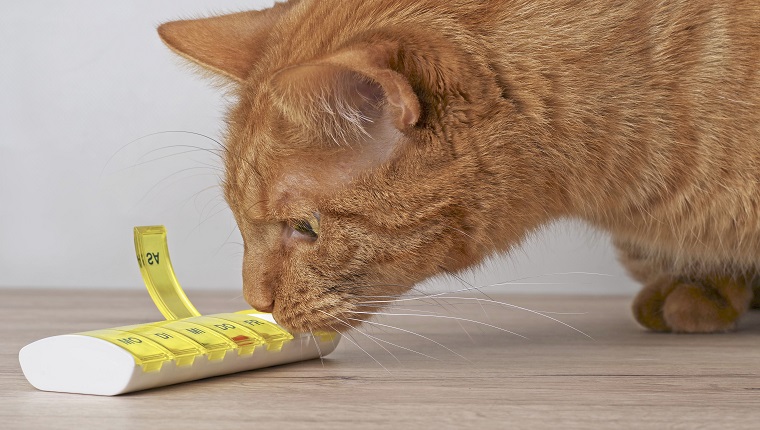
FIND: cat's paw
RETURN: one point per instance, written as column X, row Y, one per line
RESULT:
column 709, row 306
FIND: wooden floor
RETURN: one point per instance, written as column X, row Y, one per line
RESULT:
column 553, row 378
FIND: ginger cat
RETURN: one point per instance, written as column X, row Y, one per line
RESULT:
column 376, row 143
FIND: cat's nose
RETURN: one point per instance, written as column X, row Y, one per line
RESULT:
column 261, row 299
column 264, row 305
column 257, row 289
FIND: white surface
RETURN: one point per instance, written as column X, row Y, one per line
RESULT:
column 88, row 365
column 79, row 79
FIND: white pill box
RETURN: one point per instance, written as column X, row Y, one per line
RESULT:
column 125, row 359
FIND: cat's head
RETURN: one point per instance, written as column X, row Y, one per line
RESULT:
column 339, row 171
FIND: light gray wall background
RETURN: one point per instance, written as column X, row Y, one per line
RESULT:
column 84, row 87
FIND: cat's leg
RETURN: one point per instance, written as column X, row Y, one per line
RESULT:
column 684, row 303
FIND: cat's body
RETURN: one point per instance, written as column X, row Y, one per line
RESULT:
column 378, row 143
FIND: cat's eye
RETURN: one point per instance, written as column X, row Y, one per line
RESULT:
column 307, row 227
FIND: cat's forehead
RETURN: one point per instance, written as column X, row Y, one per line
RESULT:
column 290, row 146
column 273, row 166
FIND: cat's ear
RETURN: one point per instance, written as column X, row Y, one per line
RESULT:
column 354, row 85
column 227, row 44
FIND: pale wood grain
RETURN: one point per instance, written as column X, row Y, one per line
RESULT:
column 557, row 378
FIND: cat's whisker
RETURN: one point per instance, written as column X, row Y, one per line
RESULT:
column 452, row 299
column 445, row 305
column 198, row 193
column 519, row 281
column 353, row 286
column 446, row 295
column 442, row 317
column 403, row 309
column 543, row 314
column 319, row 349
column 238, row 297
column 239, row 157
column 247, row 209
column 211, row 209
column 466, row 333
column 350, row 327
column 418, row 305
column 437, row 302
column 156, row 134
column 396, row 345
column 492, row 301
column 220, row 152
column 215, row 200
column 513, row 282
column 195, row 196
column 170, row 184
column 422, row 298
column 210, row 165
column 187, row 149
column 226, row 240
column 516, row 281
column 412, row 333
column 153, row 160
column 348, row 337
column 404, row 348
column 197, row 226
column 462, row 281
column 348, row 287
column 151, row 189
column 211, row 205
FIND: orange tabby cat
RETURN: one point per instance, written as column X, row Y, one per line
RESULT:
column 379, row 142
